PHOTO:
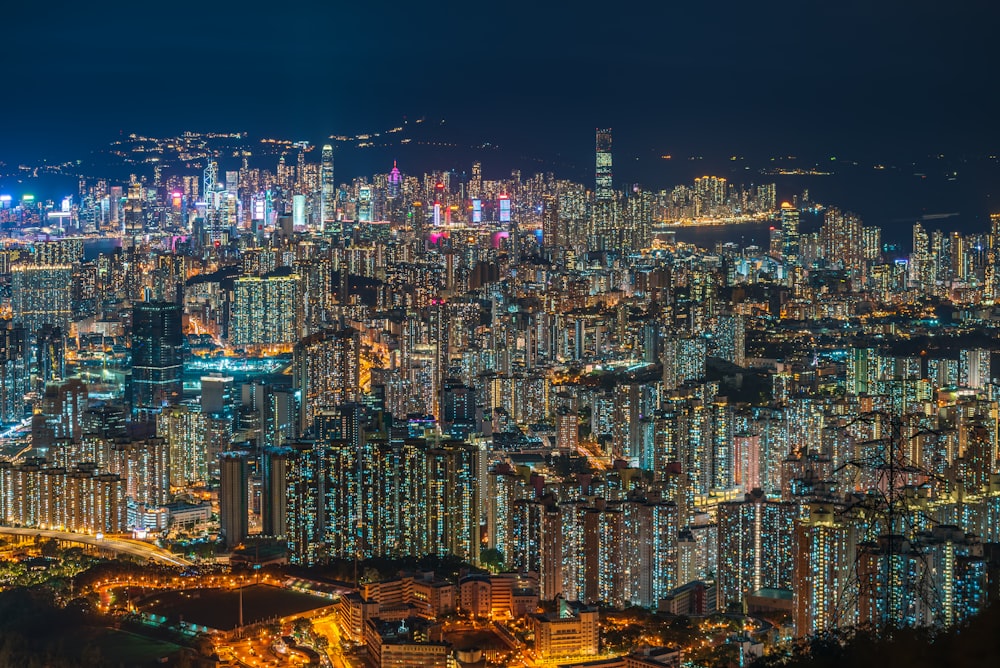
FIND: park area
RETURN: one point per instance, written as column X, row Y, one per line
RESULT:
column 219, row 609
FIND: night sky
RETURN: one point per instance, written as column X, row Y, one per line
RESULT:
column 875, row 78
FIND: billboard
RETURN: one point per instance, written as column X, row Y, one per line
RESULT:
column 504, row 209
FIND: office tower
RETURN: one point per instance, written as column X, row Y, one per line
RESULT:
column 298, row 211
column 134, row 211
column 394, row 184
column 41, row 295
column 234, row 509
column 604, row 235
column 274, row 491
column 476, row 182
column 157, row 356
column 327, row 371
column 755, row 547
column 265, row 311
column 553, row 232
column 14, row 372
column 789, row 233
column 822, row 599
column 603, row 187
column 210, row 178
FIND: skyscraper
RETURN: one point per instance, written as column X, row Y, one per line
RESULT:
column 157, row 356
column 789, row 233
column 603, row 188
column 604, row 235
column 13, row 372
column 328, row 189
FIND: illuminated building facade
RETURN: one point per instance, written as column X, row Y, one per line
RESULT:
column 265, row 311
column 157, row 356
column 755, row 547
column 41, row 295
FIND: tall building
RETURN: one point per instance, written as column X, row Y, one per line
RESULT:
column 327, row 371
column 265, row 311
column 157, row 356
column 824, row 557
column 328, row 188
column 50, row 363
column 14, row 375
column 61, row 413
column 755, row 547
column 184, row 428
column 789, row 233
column 274, row 491
column 603, row 187
column 604, row 232
column 234, row 500
column 41, row 295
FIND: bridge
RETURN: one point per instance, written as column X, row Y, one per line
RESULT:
column 134, row 548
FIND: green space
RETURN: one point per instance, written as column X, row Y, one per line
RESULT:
column 219, row 608
column 121, row 647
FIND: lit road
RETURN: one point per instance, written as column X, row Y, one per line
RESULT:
column 127, row 546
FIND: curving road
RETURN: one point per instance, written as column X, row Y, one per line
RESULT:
column 135, row 548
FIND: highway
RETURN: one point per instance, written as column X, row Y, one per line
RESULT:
column 127, row 546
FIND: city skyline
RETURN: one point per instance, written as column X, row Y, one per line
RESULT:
column 514, row 336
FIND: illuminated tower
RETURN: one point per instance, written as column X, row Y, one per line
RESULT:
column 157, row 356
column 328, row 190
column 604, row 234
column 14, row 355
column 395, row 182
column 789, row 233
column 438, row 203
column 210, row 178
column 603, row 190
column 476, row 182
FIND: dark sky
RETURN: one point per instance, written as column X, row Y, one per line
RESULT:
column 873, row 77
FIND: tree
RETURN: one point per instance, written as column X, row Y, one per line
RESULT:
column 492, row 559
column 50, row 548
